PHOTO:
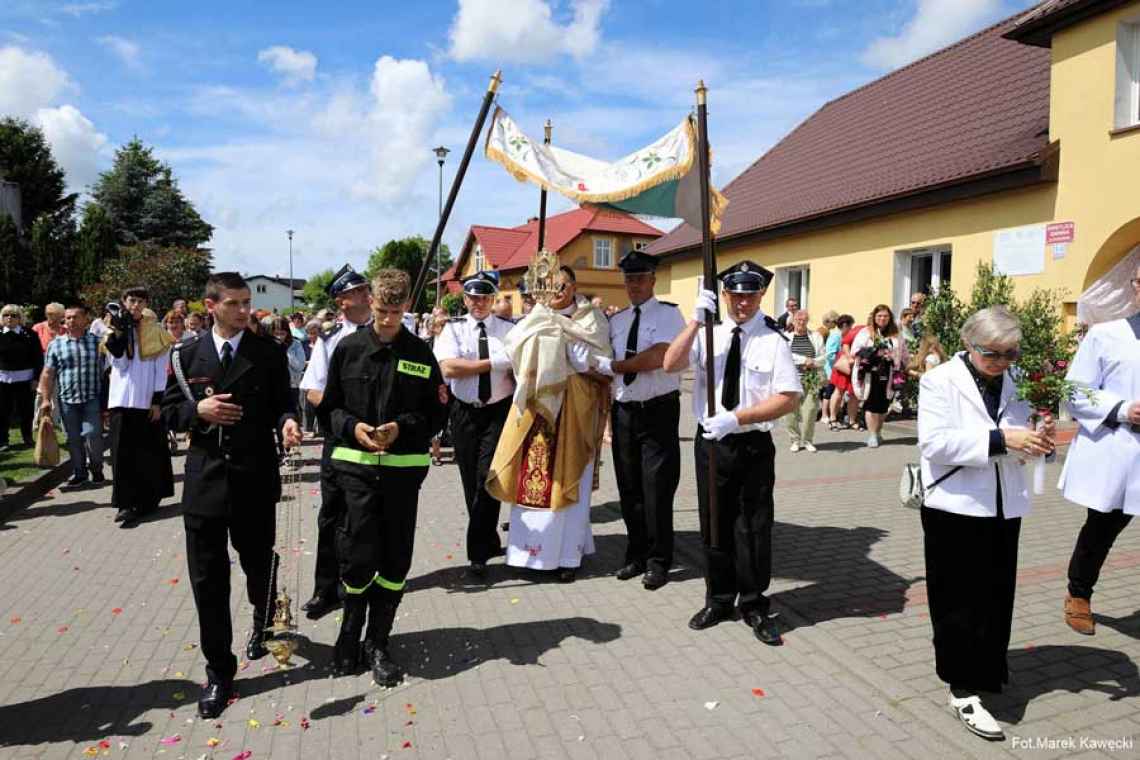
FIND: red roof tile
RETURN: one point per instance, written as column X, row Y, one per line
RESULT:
column 977, row 108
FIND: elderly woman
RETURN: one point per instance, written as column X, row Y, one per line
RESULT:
column 21, row 360
column 809, row 357
column 973, row 434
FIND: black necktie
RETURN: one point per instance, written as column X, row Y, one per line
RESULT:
column 227, row 357
column 360, row 327
column 485, row 377
column 631, row 344
column 730, row 390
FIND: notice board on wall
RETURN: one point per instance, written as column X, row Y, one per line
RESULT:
column 1020, row 250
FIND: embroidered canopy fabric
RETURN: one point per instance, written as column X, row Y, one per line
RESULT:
column 1110, row 297
column 657, row 180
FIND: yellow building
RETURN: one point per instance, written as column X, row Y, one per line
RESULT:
column 589, row 240
column 1019, row 146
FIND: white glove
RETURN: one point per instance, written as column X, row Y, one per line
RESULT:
column 500, row 361
column 705, row 304
column 720, row 425
column 578, row 354
column 605, row 365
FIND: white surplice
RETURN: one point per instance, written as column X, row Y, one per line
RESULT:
column 547, row 539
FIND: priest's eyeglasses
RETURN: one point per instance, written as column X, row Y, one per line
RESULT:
column 1011, row 355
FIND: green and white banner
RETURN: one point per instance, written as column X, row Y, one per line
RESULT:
column 657, row 180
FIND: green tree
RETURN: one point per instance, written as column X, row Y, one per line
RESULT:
column 167, row 272
column 26, row 159
column 314, row 291
column 51, row 259
column 408, row 254
column 452, row 303
column 11, row 255
column 142, row 198
column 95, row 244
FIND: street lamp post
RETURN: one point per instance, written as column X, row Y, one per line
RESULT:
column 440, row 154
column 290, row 234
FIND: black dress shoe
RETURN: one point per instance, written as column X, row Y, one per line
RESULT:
column 567, row 574
column 385, row 672
column 75, row 482
column 629, row 570
column 214, row 699
column 655, row 578
column 477, row 570
column 764, row 627
column 255, row 647
column 125, row 515
column 708, row 617
column 319, row 606
column 98, row 479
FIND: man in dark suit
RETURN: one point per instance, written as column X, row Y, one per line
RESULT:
column 230, row 389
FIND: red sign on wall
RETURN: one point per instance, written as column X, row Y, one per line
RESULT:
column 1061, row 232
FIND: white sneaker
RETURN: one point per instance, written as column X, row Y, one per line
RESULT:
column 825, row 420
column 872, row 441
column 810, row 447
column 795, row 446
column 976, row 718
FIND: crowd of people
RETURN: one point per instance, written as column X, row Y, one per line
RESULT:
column 530, row 402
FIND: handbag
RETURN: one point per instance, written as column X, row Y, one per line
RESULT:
column 46, row 453
column 843, row 364
column 912, row 493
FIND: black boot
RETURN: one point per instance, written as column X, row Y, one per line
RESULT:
column 346, row 651
column 381, row 616
column 255, row 647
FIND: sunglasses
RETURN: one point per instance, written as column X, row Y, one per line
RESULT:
column 1136, row 282
column 1011, row 355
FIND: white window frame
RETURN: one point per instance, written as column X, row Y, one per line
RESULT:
column 783, row 286
column 1127, row 101
column 608, row 244
column 903, row 259
column 480, row 260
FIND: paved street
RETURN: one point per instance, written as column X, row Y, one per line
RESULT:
column 98, row 641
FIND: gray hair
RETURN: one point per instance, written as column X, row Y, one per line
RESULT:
column 798, row 312
column 12, row 308
column 312, row 323
column 995, row 326
column 54, row 308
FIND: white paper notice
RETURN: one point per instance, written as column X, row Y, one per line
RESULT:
column 1020, row 250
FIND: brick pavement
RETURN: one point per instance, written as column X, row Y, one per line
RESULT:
column 98, row 641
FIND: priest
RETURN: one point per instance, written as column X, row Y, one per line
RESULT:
column 545, row 461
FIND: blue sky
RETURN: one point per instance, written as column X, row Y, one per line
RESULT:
column 292, row 115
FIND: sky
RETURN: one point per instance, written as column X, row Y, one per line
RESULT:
column 321, row 118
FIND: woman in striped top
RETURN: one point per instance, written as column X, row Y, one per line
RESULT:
column 808, row 356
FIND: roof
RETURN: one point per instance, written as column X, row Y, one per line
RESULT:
column 507, row 248
column 1038, row 25
column 975, row 109
column 298, row 284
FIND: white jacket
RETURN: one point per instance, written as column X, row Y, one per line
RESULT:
column 953, row 429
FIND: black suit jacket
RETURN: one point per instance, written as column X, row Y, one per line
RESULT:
column 231, row 468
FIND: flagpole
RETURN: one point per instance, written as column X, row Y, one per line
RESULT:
column 710, row 284
column 542, row 194
column 421, row 278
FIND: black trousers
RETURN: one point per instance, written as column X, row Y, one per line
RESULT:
column 745, row 475
column 207, row 555
column 971, row 577
column 140, row 461
column 376, row 534
column 327, row 571
column 16, row 406
column 1093, row 544
column 647, row 464
column 475, row 432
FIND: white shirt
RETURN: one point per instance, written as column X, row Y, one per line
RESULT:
column 219, row 341
column 766, row 367
column 317, row 373
column 659, row 323
column 135, row 381
column 459, row 339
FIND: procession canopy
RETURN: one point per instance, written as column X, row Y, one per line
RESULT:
column 660, row 179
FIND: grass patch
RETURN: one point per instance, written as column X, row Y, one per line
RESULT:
column 16, row 463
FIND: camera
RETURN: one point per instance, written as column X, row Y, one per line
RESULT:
column 121, row 319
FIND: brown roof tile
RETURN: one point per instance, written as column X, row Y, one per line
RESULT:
column 976, row 108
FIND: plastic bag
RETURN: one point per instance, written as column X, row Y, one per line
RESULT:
column 47, row 447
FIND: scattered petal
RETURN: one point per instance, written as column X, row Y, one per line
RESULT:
column 173, row 582
column 91, row 751
column 179, row 696
column 117, row 611
column 711, row 705
column 254, row 723
column 15, row 620
column 244, row 665
column 514, row 600
column 304, row 724
column 370, row 709
column 179, row 674
column 170, row 741
column 213, row 742
column 104, row 744
column 189, row 647
column 407, row 745
column 61, row 629
column 448, row 556
column 243, row 755
column 758, row 692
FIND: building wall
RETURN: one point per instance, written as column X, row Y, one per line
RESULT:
column 853, row 266
column 276, row 296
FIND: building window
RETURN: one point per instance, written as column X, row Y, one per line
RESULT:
column 920, row 270
column 603, row 253
column 640, row 245
column 260, row 288
column 480, row 261
column 792, row 282
column 1127, row 105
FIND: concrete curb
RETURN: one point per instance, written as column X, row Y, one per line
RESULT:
column 21, row 495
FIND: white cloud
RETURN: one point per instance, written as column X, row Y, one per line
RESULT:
column 524, row 31
column 76, row 144
column 294, row 66
column 124, row 49
column 29, row 80
column 936, row 24
column 82, row 9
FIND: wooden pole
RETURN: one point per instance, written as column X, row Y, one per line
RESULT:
column 542, row 194
column 709, row 259
column 421, row 279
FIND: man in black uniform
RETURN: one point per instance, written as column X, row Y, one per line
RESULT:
column 230, row 389
column 756, row 384
column 385, row 399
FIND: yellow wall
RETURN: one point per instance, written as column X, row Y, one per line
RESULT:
column 852, row 266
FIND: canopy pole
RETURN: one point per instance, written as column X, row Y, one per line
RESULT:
column 542, row 194
column 709, row 260
column 421, row 278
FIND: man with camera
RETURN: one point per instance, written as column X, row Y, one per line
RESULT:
column 140, row 457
